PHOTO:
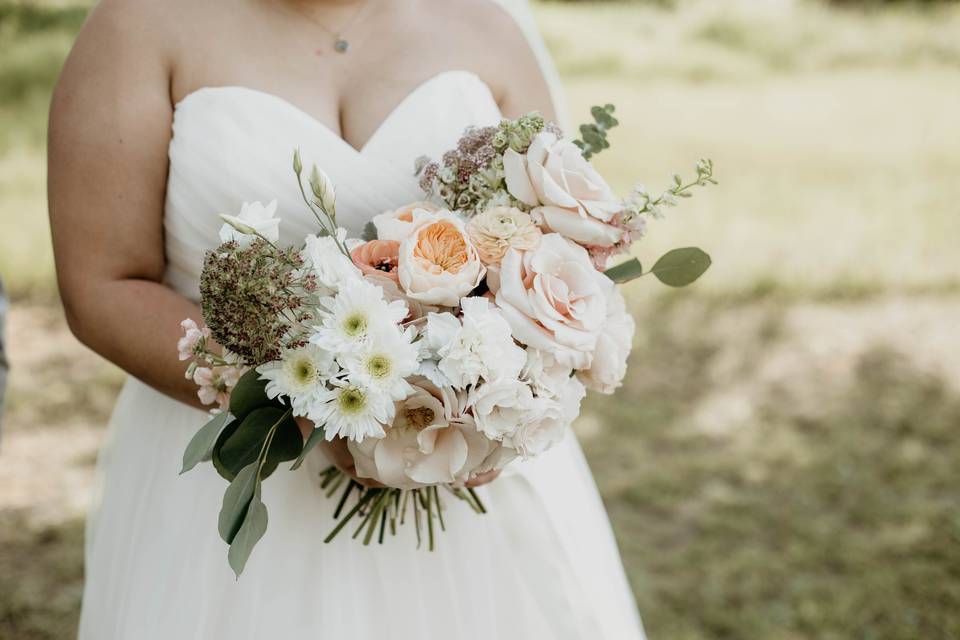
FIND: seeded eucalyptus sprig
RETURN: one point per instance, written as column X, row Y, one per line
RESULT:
column 640, row 202
column 593, row 137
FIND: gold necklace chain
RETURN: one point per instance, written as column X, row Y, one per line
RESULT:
column 340, row 43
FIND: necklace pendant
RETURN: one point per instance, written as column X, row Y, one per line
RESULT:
column 341, row 45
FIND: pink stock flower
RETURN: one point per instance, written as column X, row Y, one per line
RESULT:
column 192, row 337
column 216, row 384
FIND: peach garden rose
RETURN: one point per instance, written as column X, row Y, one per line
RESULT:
column 438, row 264
column 397, row 224
column 377, row 257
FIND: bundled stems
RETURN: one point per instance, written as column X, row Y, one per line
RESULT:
column 382, row 509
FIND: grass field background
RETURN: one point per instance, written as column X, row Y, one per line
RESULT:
column 782, row 460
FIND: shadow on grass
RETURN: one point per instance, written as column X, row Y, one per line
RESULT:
column 42, row 569
column 830, row 513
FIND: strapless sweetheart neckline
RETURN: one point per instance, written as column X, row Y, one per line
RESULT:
column 293, row 107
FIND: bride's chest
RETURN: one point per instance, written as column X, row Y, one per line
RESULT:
column 232, row 145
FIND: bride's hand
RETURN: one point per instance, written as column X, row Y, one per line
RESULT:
column 483, row 478
column 338, row 454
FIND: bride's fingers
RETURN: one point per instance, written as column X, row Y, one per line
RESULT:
column 482, row 479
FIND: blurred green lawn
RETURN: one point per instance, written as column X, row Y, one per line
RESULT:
column 781, row 462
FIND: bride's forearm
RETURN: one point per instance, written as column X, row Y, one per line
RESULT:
column 135, row 324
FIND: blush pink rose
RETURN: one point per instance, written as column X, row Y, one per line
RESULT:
column 553, row 299
column 566, row 193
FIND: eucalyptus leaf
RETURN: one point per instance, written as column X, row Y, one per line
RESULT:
column 243, row 445
column 249, row 394
column 680, row 267
column 201, row 445
column 229, row 430
column 316, row 436
column 253, row 527
column 236, row 499
column 625, row 271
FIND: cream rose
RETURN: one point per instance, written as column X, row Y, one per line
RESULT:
column 495, row 230
column 432, row 440
column 501, row 406
column 548, row 420
column 438, row 264
column 397, row 224
column 609, row 364
column 554, row 300
column 567, row 194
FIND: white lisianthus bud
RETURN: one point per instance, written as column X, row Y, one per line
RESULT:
column 324, row 190
column 238, row 224
column 297, row 162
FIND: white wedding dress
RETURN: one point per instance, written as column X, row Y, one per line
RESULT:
column 542, row 564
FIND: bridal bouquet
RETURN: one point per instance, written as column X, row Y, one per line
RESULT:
column 459, row 334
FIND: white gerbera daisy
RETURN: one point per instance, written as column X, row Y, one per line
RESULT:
column 352, row 411
column 300, row 375
column 383, row 363
column 354, row 314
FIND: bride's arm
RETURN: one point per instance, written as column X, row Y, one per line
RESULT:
column 510, row 64
column 109, row 131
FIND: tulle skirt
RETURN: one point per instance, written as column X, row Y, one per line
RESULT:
column 541, row 564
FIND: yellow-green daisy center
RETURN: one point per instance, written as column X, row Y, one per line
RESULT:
column 355, row 325
column 352, row 401
column 378, row 366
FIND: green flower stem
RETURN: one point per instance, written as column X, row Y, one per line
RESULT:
column 429, row 520
column 360, row 504
column 262, row 456
column 343, row 498
column 374, row 516
column 436, row 499
column 474, row 495
column 416, row 514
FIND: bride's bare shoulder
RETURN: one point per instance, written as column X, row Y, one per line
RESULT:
column 495, row 43
column 121, row 35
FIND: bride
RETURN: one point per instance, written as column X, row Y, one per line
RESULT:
column 169, row 113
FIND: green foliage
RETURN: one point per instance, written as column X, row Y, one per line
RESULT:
column 676, row 268
column 593, row 137
column 235, row 501
column 267, row 433
column 249, row 394
column 315, row 438
column 254, row 526
column 625, row 271
column 201, row 445
column 680, row 267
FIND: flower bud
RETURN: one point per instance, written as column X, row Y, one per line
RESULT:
column 238, row 224
column 323, row 190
